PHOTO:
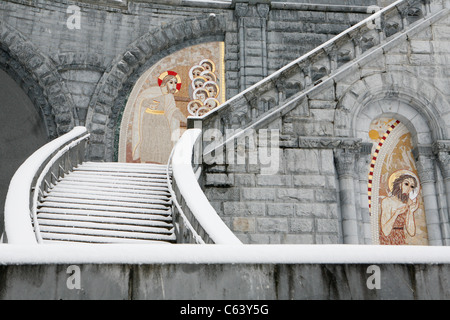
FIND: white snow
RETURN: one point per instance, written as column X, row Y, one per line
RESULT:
column 196, row 200
column 17, row 206
column 221, row 254
column 330, row 42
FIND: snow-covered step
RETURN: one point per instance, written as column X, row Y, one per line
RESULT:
column 108, row 189
column 114, row 174
column 133, row 198
column 55, row 201
column 107, row 233
column 105, row 219
column 116, row 214
column 50, row 237
column 46, row 224
column 116, row 181
column 108, row 203
column 112, row 170
column 122, row 167
column 104, row 184
column 73, row 205
column 122, row 175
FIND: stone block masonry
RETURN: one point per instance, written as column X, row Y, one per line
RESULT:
column 86, row 75
column 117, row 42
column 298, row 204
column 320, row 192
column 218, row 281
column 83, row 76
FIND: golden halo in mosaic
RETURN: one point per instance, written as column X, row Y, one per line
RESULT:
column 196, row 72
column 170, row 73
column 399, row 173
column 209, row 75
column 212, row 88
column 193, row 106
column 201, row 94
column 208, row 65
column 211, row 103
column 198, row 80
column 202, row 111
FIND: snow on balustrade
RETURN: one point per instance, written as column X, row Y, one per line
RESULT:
column 76, row 201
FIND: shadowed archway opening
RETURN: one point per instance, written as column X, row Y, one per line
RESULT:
column 22, row 131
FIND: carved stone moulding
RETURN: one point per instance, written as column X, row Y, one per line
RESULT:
column 441, row 149
column 330, row 143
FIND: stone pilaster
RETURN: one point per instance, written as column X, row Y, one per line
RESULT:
column 441, row 149
column 346, row 164
column 263, row 12
column 252, row 19
column 240, row 11
column 426, row 170
column 364, row 160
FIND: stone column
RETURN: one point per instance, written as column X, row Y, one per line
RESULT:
column 241, row 9
column 426, row 171
column 363, row 175
column 263, row 12
column 346, row 167
column 252, row 27
column 442, row 152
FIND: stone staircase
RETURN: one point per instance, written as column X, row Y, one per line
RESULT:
column 308, row 77
column 108, row 203
column 123, row 203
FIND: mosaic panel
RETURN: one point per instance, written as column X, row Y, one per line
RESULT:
column 395, row 200
column 186, row 83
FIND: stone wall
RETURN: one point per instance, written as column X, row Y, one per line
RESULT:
column 223, row 282
column 299, row 204
column 320, row 193
column 86, row 59
column 84, row 76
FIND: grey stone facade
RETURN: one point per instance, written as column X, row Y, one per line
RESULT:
column 319, row 194
column 84, row 77
column 95, row 67
column 231, row 282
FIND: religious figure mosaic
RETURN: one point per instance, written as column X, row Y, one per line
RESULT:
column 395, row 199
column 189, row 82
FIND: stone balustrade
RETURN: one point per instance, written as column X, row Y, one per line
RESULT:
column 287, row 88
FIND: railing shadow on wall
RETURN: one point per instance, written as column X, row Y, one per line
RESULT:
column 33, row 178
column 195, row 218
column 314, row 70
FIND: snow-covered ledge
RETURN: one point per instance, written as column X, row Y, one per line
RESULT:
column 223, row 272
column 24, row 186
column 209, row 223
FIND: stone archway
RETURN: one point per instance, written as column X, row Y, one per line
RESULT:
column 423, row 98
column 395, row 131
column 419, row 106
column 110, row 95
column 22, row 131
column 39, row 78
column 35, row 104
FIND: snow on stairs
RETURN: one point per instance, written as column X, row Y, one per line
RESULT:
column 108, row 203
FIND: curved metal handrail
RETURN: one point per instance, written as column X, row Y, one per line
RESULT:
column 209, row 222
column 21, row 226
